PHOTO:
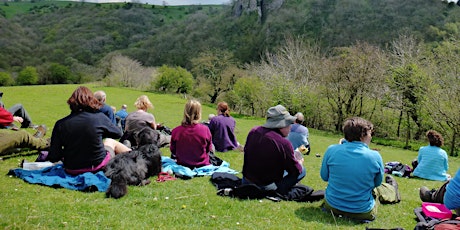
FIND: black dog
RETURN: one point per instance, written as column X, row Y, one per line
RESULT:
column 135, row 167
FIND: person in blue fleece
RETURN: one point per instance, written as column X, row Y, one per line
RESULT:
column 355, row 174
column 448, row 194
column 432, row 162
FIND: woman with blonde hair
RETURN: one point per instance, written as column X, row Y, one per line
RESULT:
column 191, row 141
column 140, row 119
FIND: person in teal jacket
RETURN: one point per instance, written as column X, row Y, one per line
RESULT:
column 432, row 162
column 448, row 194
column 355, row 173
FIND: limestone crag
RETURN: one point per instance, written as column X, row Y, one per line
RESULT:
column 262, row 7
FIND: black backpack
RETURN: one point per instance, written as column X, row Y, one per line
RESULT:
column 428, row 223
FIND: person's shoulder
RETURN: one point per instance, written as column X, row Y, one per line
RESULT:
column 302, row 129
column 201, row 126
column 256, row 128
column 177, row 129
column 335, row 147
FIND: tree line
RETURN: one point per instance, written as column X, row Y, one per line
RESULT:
column 387, row 61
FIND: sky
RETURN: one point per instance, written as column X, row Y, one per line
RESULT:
column 168, row 2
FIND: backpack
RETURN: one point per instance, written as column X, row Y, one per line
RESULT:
column 230, row 185
column 398, row 169
column 428, row 223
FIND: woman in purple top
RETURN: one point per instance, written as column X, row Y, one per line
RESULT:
column 222, row 129
column 191, row 141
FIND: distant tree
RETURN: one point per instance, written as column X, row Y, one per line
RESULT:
column 209, row 68
column 408, row 83
column 355, row 78
column 27, row 76
column 6, row 79
column 123, row 71
column 250, row 96
column 59, row 74
column 444, row 97
column 175, row 80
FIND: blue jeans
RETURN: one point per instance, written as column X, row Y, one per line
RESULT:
column 282, row 186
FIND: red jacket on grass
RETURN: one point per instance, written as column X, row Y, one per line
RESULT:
column 6, row 118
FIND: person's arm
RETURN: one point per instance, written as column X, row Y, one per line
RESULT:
column 172, row 144
column 152, row 122
column 209, row 140
column 324, row 171
column 446, row 162
column 212, row 125
column 111, row 130
column 55, row 152
column 292, row 165
column 379, row 177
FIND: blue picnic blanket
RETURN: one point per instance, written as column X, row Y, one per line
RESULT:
column 169, row 164
column 55, row 176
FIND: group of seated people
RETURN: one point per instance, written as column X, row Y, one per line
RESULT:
column 87, row 139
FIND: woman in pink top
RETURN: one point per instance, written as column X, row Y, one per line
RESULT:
column 191, row 142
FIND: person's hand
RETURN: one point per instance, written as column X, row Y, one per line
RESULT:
column 18, row 119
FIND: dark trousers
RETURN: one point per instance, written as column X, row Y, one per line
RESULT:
column 19, row 111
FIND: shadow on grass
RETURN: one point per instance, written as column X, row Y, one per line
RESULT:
column 316, row 214
column 13, row 154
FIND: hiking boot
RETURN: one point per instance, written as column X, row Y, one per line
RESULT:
column 41, row 131
column 425, row 194
column 316, row 195
column 225, row 192
column 390, row 180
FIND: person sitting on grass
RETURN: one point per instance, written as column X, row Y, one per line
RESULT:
column 432, row 162
column 269, row 161
column 191, row 142
column 138, row 120
column 222, row 129
column 84, row 140
column 448, row 194
column 355, row 173
column 120, row 116
column 105, row 109
column 299, row 134
column 18, row 113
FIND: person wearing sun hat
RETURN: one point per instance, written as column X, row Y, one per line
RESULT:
column 269, row 160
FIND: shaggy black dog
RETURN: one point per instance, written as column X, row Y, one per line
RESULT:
column 135, row 167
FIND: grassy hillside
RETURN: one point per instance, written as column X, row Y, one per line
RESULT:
column 180, row 204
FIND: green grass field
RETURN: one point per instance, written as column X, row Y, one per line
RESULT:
column 180, row 204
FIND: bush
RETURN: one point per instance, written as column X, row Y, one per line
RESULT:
column 173, row 80
column 59, row 74
column 28, row 76
column 6, row 79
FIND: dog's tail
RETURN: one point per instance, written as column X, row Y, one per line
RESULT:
column 118, row 187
